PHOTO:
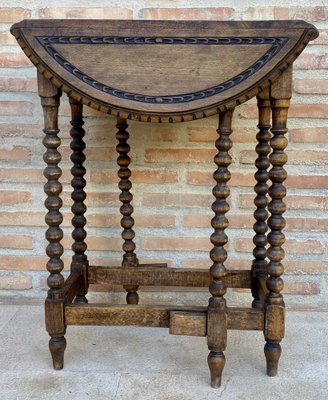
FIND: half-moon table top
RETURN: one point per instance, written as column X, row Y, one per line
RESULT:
column 162, row 71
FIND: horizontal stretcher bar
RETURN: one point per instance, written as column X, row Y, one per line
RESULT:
column 153, row 275
column 182, row 320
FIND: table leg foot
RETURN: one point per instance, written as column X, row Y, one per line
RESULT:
column 81, row 299
column 216, row 362
column 272, row 351
column 132, row 298
column 57, row 346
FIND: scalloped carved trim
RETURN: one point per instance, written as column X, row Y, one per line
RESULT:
column 276, row 45
column 230, row 103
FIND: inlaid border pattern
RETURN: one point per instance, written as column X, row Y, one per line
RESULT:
column 276, row 44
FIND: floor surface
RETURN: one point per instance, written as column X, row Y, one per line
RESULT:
column 149, row 364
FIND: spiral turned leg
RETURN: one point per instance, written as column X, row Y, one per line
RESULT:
column 275, row 308
column 216, row 315
column 127, row 221
column 54, row 303
column 79, row 259
column 262, row 163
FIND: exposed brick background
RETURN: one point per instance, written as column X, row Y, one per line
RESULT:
column 171, row 164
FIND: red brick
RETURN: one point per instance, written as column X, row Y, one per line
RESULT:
column 206, row 263
column 160, row 176
column 311, row 61
column 16, row 241
column 7, row 38
column 186, row 155
column 209, row 134
column 35, row 263
column 307, row 202
column 13, row 14
column 295, row 157
column 311, row 86
column 323, row 37
column 14, row 60
column 102, row 199
column 141, row 221
column 296, row 202
column 17, row 84
column 28, row 130
column 295, row 111
column 309, row 135
column 217, row 14
column 22, row 218
column 177, row 243
column 109, row 261
column 94, row 199
column 100, row 220
column 310, row 14
column 301, row 288
column 291, row 246
column 200, row 178
column 102, row 131
column 105, row 176
column 258, row 13
column 98, row 243
column 249, row 111
column 16, row 153
column 280, row 13
column 294, row 288
column 155, row 221
column 307, row 224
column 244, row 135
column 236, row 221
column 16, row 108
column 14, row 197
column 307, row 182
column 202, row 134
column 291, row 266
column 157, row 200
column 65, row 111
column 306, row 266
column 93, row 153
column 247, row 156
column 307, row 157
column 197, row 221
column 28, row 175
column 151, row 133
column 204, row 178
column 15, row 282
column 87, row 12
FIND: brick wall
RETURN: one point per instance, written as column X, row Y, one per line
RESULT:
column 172, row 164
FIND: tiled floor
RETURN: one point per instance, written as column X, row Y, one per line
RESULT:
column 147, row 363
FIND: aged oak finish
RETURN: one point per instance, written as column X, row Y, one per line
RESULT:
column 127, row 222
column 168, row 71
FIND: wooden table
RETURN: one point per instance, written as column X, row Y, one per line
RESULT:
column 168, row 71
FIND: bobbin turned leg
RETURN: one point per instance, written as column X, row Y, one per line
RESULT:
column 79, row 260
column 127, row 222
column 216, row 315
column 54, row 306
column 262, row 163
column 275, row 308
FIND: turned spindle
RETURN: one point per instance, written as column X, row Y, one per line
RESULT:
column 276, row 238
column 127, row 221
column 54, row 303
column 262, row 163
column 217, row 321
column 79, row 259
